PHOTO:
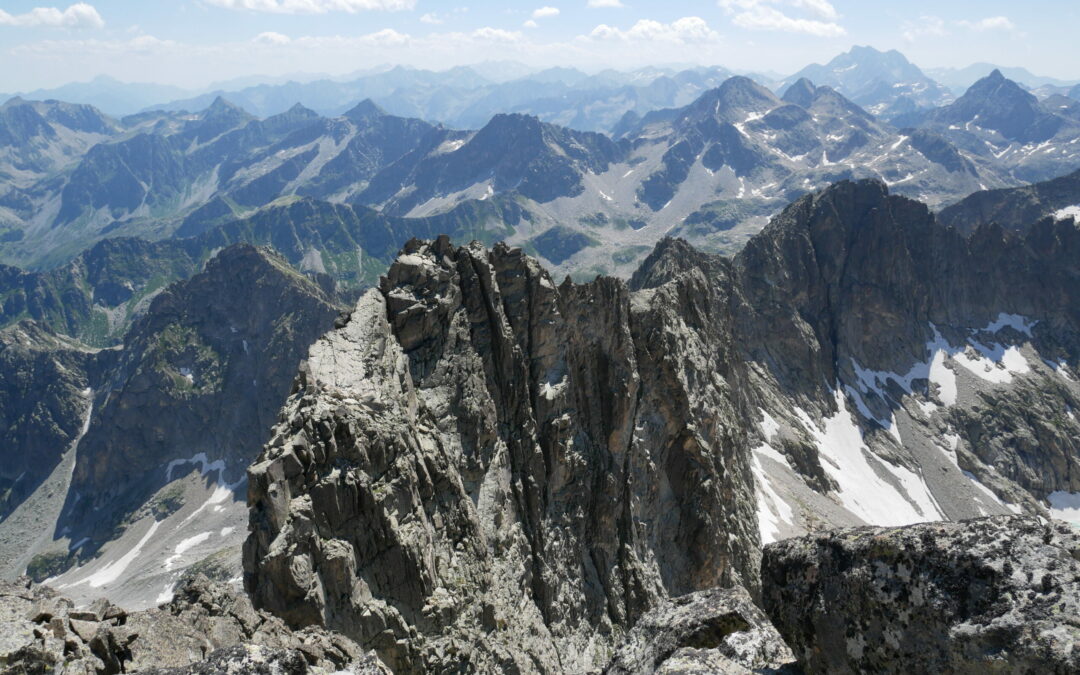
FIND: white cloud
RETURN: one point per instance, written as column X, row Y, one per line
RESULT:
column 545, row 12
column 387, row 37
column 604, row 4
column 925, row 26
column 686, row 30
column 489, row 34
column 530, row 24
column 763, row 15
column 990, row 23
column 79, row 15
column 272, row 38
column 314, row 6
column 822, row 8
column 431, row 18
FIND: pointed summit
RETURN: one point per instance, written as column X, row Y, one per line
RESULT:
column 801, row 93
column 999, row 104
column 731, row 101
column 223, row 108
column 365, row 110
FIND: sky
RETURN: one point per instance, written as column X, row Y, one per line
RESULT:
column 193, row 43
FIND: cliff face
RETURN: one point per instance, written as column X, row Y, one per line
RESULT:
column 534, row 467
column 482, row 469
column 200, row 373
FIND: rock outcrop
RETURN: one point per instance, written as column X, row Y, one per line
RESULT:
column 714, row 631
column 481, row 470
column 992, row 595
column 206, row 628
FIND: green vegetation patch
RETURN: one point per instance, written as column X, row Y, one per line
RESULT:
column 46, row 565
column 559, row 243
column 168, row 501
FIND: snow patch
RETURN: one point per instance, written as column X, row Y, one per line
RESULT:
column 769, row 425
column 862, row 490
column 187, row 544
column 166, row 595
column 1065, row 506
column 772, row 510
column 111, row 572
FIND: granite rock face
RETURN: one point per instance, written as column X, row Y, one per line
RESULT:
column 997, row 594
column 534, row 467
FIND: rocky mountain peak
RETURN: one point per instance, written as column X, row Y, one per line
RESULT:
column 801, row 92
column 365, row 110
column 508, row 419
column 731, row 101
column 222, row 108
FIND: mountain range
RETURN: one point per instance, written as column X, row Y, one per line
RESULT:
column 712, row 171
column 771, row 378
column 857, row 362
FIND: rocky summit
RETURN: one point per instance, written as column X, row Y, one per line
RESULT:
column 535, row 467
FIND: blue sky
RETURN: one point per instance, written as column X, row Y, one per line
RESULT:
column 194, row 42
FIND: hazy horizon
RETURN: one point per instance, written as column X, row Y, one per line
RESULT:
column 193, row 43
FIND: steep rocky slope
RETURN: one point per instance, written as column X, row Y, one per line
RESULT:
column 597, row 448
column 122, row 465
column 559, row 459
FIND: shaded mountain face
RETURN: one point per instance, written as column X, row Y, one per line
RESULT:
column 997, row 120
column 103, row 291
column 514, row 153
column 160, row 427
column 201, row 371
column 995, row 103
column 864, row 363
column 885, row 83
column 45, row 396
column 1017, row 208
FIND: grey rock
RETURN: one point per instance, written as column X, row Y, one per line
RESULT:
column 534, row 467
column 719, row 630
column 990, row 595
column 206, row 628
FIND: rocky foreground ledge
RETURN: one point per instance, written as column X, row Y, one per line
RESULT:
column 995, row 594
column 998, row 594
